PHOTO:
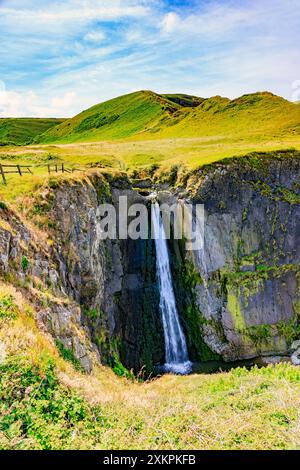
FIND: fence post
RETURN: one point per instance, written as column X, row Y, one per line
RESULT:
column 49, row 169
column 62, row 168
column 56, row 168
column 19, row 170
column 2, row 173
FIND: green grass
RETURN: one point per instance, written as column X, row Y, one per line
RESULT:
column 143, row 130
column 236, row 410
column 7, row 307
column 140, row 157
column 20, row 131
column 252, row 116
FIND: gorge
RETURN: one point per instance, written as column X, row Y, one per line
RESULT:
column 236, row 299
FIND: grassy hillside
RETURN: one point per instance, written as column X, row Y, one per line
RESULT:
column 118, row 118
column 45, row 403
column 23, row 130
column 147, row 115
column 256, row 115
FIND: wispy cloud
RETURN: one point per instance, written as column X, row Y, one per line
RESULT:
column 214, row 20
column 60, row 57
column 94, row 36
column 70, row 11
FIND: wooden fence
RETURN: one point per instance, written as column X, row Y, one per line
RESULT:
column 19, row 169
column 22, row 169
column 55, row 168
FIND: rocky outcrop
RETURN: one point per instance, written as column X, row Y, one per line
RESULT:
column 247, row 296
column 109, row 285
column 114, row 280
column 30, row 263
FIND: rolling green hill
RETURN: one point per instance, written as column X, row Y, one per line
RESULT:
column 118, row 118
column 147, row 115
column 23, row 130
column 254, row 115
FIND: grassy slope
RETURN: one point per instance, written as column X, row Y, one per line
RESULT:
column 23, row 130
column 46, row 404
column 115, row 119
column 254, row 116
column 146, row 115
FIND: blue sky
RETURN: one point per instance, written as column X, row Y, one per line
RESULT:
column 60, row 57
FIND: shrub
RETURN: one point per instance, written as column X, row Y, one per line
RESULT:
column 120, row 370
column 42, row 413
column 173, row 175
column 7, row 307
column 24, row 263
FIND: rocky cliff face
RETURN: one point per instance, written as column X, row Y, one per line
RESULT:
column 246, row 298
column 109, row 285
column 238, row 297
column 114, row 280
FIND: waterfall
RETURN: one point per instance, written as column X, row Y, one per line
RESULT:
column 175, row 344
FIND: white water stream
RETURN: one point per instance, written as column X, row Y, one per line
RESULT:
column 177, row 359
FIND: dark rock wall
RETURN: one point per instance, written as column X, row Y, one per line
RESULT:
column 248, row 292
column 114, row 280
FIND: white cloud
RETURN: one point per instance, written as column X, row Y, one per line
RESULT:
column 94, row 36
column 296, row 90
column 73, row 10
column 171, row 22
column 31, row 104
column 214, row 20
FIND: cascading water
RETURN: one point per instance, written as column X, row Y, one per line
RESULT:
column 175, row 344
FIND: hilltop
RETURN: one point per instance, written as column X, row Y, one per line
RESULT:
column 148, row 115
column 118, row 118
column 257, row 114
column 20, row 131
